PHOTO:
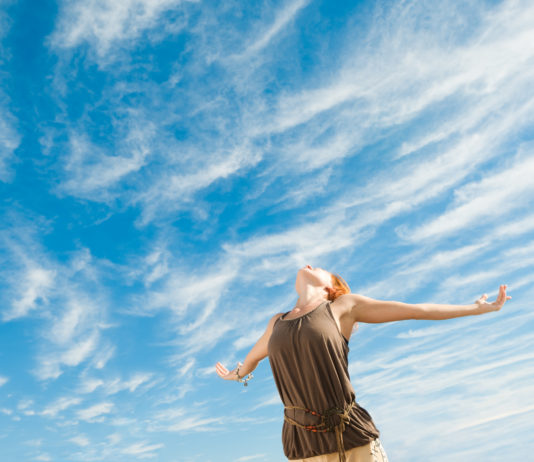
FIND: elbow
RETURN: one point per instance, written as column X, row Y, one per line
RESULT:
column 420, row 312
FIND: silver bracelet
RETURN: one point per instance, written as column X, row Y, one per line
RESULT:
column 241, row 379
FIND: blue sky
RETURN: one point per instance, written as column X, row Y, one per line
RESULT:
column 166, row 166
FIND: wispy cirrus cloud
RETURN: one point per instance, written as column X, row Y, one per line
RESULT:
column 43, row 457
column 9, row 141
column 35, row 287
column 94, row 173
column 61, row 404
column 180, row 420
column 57, row 293
column 10, row 136
column 352, row 110
column 105, row 24
column 503, row 190
column 80, row 440
column 283, row 17
column 252, row 457
column 142, row 450
column 96, row 412
column 113, row 386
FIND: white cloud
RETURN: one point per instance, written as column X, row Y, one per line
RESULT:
column 24, row 404
column 35, row 285
column 187, row 424
column 274, row 400
column 60, row 405
column 253, row 457
column 502, row 191
column 142, row 449
column 35, row 443
column 10, row 137
column 79, row 351
column 43, row 457
column 89, row 385
column 9, row 142
column 174, row 188
column 95, row 413
column 71, row 313
column 69, row 323
column 187, row 367
column 249, row 339
column 179, row 291
column 106, row 24
column 3, row 380
column 122, row 422
column 283, row 17
column 92, row 172
column 116, row 385
column 494, row 417
column 394, row 80
column 102, row 356
column 520, row 226
column 76, row 352
column 80, row 440
column 332, row 119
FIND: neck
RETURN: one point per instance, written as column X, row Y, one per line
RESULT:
column 310, row 296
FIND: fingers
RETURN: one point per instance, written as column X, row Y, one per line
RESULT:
column 502, row 297
column 221, row 370
column 500, row 300
column 503, row 293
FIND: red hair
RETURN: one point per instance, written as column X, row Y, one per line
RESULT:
column 339, row 287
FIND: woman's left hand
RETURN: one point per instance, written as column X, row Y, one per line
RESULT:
column 497, row 304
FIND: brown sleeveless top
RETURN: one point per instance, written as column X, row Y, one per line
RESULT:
column 309, row 360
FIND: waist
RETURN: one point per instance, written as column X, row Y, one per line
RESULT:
column 327, row 420
column 333, row 419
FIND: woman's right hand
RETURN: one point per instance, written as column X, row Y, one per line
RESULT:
column 225, row 373
column 497, row 304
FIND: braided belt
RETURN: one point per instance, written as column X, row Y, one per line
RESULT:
column 332, row 420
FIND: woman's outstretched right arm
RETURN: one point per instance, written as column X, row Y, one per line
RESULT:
column 254, row 356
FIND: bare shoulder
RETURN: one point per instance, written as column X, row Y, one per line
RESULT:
column 343, row 304
column 275, row 317
column 273, row 320
column 346, row 300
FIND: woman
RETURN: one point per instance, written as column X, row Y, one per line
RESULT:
column 308, row 353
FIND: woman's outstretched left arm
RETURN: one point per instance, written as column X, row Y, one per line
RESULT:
column 366, row 309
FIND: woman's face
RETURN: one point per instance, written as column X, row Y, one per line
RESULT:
column 308, row 276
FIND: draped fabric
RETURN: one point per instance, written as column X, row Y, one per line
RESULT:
column 309, row 360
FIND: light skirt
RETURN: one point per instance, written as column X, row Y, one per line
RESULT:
column 371, row 452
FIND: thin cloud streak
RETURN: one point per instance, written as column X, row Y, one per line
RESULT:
column 60, row 405
column 9, row 141
column 57, row 293
column 477, row 202
column 282, row 19
column 105, row 23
